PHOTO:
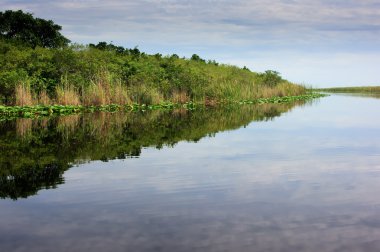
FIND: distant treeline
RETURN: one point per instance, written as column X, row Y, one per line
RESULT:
column 368, row 89
column 39, row 66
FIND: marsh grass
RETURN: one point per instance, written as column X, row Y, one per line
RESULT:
column 96, row 94
column 67, row 95
column 120, row 94
column 23, row 95
column 142, row 94
column 283, row 89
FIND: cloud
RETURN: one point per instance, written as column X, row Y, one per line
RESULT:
column 212, row 28
column 279, row 19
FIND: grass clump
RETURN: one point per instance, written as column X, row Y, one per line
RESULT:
column 67, row 95
column 23, row 95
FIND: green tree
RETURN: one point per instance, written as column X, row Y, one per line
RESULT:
column 23, row 27
column 270, row 78
column 196, row 57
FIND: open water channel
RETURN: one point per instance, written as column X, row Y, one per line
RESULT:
column 287, row 177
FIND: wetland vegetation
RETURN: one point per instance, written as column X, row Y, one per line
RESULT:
column 35, row 71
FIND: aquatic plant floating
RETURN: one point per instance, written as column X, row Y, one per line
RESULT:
column 9, row 112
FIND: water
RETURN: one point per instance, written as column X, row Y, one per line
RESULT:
column 296, row 177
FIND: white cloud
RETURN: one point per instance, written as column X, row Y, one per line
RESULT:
column 232, row 29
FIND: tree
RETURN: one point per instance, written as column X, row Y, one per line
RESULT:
column 270, row 78
column 196, row 57
column 104, row 46
column 23, row 27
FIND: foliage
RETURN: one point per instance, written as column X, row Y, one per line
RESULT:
column 24, row 28
column 270, row 78
column 196, row 57
column 142, row 78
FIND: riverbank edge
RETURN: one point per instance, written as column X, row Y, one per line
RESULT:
column 10, row 112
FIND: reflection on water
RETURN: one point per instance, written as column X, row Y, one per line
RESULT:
column 308, row 180
column 35, row 153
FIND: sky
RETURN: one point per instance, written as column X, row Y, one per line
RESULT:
column 319, row 43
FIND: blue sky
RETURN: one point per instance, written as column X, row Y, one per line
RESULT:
column 315, row 42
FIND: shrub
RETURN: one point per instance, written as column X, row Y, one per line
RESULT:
column 270, row 78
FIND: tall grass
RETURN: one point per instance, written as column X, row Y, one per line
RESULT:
column 143, row 94
column 96, row 94
column 282, row 89
column 23, row 95
column 105, row 90
column 120, row 94
column 67, row 95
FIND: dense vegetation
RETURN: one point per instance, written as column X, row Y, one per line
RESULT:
column 46, row 147
column 33, row 71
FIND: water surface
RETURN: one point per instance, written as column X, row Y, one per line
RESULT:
column 294, row 177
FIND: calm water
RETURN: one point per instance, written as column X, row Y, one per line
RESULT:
column 302, row 177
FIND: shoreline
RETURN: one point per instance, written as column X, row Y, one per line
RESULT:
column 36, row 111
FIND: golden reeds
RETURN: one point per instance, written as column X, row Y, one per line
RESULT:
column 120, row 94
column 67, row 95
column 24, row 95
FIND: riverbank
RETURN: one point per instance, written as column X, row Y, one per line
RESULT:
column 8, row 112
column 95, row 75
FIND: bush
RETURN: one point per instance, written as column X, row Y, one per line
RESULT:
column 270, row 78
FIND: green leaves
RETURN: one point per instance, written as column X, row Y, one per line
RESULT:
column 24, row 28
column 270, row 78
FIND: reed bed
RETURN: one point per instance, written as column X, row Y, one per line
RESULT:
column 23, row 95
column 67, row 95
